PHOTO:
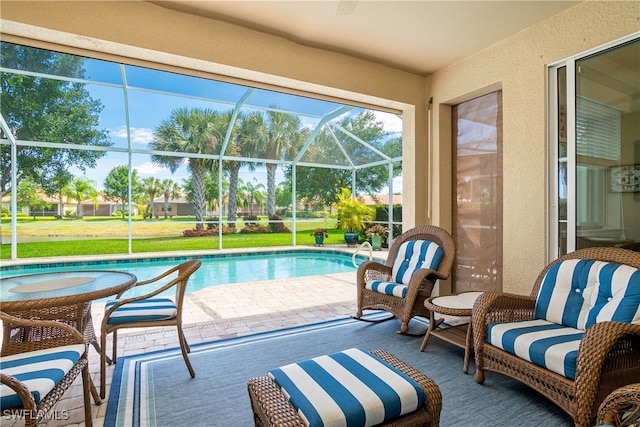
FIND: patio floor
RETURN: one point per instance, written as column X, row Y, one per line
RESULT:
column 217, row 312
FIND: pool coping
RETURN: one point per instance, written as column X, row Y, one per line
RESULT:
column 49, row 262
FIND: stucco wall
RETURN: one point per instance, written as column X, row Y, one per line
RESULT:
column 517, row 65
column 146, row 31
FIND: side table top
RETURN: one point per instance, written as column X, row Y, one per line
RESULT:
column 461, row 301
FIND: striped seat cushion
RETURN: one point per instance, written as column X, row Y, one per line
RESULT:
column 143, row 311
column 413, row 255
column 543, row 343
column 579, row 293
column 38, row 370
column 350, row 388
column 389, row 288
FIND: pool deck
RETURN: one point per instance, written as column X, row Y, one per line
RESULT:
column 223, row 311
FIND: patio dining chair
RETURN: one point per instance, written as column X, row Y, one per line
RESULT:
column 417, row 259
column 35, row 374
column 148, row 310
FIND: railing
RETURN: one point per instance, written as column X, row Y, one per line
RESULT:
column 353, row 258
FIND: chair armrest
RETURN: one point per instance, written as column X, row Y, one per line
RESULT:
column 70, row 335
column 372, row 270
column 28, row 402
column 602, row 341
column 498, row 307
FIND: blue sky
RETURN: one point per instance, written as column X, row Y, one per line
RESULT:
column 152, row 95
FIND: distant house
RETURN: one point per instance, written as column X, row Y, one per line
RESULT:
column 382, row 199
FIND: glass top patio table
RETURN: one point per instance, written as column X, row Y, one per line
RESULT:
column 61, row 288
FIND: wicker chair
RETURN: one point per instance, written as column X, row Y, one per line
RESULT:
column 420, row 285
column 148, row 310
column 65, row 353
column 621, row 408
column 608, row 355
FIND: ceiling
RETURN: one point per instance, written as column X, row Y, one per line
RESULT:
column 417, row 36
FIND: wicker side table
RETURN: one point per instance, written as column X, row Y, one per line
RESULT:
column 271, row 407
column 459, row 305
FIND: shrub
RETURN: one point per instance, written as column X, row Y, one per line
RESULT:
column 277, row 226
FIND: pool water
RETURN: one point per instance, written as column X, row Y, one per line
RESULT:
column 216, row 270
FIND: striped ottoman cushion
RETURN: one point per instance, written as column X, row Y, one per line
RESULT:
column 413, row 255
column 389, row 288
column 140, row 311
column 543, row 343
column 579, row 293
column 349, row 388
column 39, row 371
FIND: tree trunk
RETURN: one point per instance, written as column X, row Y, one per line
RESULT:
column 271, row 189
column 199, row 200
column 232, row 204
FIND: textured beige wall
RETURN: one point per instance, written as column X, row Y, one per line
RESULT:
column 517, row 65
column 142, row 30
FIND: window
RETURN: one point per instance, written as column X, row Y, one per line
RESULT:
column 595, row 134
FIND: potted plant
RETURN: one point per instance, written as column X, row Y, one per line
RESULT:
column 353, row 214
column 376, row 232
column 320, row 234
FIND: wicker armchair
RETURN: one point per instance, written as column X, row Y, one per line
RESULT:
column 36, row 373
column 608, row 352
column 621, row 408
column 146, row 311
column 421, row 282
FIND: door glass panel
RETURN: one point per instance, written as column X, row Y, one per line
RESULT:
column 608, row 148
column 477, row 207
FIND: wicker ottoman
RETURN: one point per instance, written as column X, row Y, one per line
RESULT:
column 272, row 408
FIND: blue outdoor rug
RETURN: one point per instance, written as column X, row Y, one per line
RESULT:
column 155, row 389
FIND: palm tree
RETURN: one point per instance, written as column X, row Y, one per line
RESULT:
column 151, row 186
column 254, row 192
column 170, row 190
column 194, row 131
column 81, row 189
column 243, row 143
column 280, row 135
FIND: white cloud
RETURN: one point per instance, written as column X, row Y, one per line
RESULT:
column 391, row 122
column 138, row 135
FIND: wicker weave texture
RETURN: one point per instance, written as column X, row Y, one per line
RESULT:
column 421, row 283
column 60, row 334
column 608, row 358
column 271, row 408
column 621, row 408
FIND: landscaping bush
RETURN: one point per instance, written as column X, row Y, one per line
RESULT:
column 277, row 226
column 255, row 229
column 250, row 219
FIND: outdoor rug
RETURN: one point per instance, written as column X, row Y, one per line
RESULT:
column 155, row 389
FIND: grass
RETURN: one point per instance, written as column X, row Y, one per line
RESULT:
column 51, row 238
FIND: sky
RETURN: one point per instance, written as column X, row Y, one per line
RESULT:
column 152, row 95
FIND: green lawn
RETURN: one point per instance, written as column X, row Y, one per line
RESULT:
column 50, row 238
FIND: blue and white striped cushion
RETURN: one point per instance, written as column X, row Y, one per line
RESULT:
column 543, row 343
column 388, row 288
column 579, row 293
column 350, row 388
column 38, row 370
column 145, row 310
column 413, row 255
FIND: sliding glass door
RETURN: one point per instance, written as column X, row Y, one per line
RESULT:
column 596, row 149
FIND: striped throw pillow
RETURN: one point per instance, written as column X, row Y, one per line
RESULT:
column 413, row 255
column 350, row 388
column 142, row 311
column 38, row 370
column 579, row 293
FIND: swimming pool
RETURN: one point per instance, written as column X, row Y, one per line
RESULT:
column 215, row 269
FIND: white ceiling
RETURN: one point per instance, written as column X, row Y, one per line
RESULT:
column 417, row 36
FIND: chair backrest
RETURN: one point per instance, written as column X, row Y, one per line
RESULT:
column 588, row 286
column 185, row 270
column 428, row 233
column 413, row 255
